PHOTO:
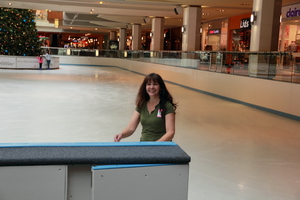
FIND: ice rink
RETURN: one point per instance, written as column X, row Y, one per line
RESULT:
column 237, row 152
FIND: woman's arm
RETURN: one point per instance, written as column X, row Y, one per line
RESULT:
column 129, row 130
column 170, row 128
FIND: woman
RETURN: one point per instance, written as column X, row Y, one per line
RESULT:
column 155, row 110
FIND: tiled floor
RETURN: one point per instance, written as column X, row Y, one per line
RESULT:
column 237, row 152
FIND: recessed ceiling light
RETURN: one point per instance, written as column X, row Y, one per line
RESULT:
column 9, row 4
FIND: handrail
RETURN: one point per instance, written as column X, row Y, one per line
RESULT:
column 273, row 65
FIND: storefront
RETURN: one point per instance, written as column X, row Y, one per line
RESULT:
column 241, row 37
column 239, row 40
column 239, row 33
column 214, row 35
column 81, row 42
column 213, row 39
column 289, row 39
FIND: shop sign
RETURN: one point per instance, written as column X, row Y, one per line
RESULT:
column 245, row 23
column 214, row 31
column 291, row 11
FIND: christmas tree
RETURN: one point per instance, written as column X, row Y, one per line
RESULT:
column 18, row 33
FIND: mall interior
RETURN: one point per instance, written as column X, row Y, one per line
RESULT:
column 236, row 80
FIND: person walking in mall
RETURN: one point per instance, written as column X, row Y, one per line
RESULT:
column 48, row 58
column 155, row 109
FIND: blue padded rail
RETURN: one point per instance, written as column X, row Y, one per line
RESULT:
column 111, row 153
column 88, row 144
column 101, row 167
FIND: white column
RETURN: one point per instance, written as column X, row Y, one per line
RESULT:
column 191, row 23
column 136, row 37
column 265, row 30
column 122, row 38
column 264, row 33
column 157, row 40
column 283, row 27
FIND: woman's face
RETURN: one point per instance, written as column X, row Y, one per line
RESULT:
column 152, row 88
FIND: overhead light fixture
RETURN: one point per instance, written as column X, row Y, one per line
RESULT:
column 9, row 4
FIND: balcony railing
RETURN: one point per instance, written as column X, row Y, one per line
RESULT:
column 278, row 66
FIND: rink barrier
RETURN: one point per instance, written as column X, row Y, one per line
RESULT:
column 90, row 170
column 26, row 62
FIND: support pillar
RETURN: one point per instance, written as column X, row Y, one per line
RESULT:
column 136, row 37
column 191, row 28
column 264, row 36
column 157, row 40
column 265, row 30
column 122, row 38
column 113, row 35
column 283, row 27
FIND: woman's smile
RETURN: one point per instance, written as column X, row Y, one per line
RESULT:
column 152, row 88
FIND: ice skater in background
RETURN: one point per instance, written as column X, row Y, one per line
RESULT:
column 48, row 58
column 40, row 60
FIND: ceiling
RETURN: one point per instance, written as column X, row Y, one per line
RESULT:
column 111, row 15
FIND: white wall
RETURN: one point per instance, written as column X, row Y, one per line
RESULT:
column 275, row 95
column 26, row 62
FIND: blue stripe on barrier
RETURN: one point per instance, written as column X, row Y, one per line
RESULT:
column 88, row 144
column 101, row 167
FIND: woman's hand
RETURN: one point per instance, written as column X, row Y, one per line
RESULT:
column 118, row 137
column 128, row 131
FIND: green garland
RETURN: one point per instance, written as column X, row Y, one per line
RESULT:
column 18, row 33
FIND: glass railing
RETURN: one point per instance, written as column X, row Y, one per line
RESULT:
column 278, row 66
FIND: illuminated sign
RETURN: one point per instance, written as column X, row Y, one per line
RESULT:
column 214, row 31
column 245, row 23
